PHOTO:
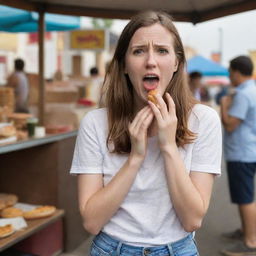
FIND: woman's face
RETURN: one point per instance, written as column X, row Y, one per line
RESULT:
column 150, row 60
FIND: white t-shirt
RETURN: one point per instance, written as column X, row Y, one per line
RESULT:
column 146, row 217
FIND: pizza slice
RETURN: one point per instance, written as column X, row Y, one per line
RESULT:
column 39, row 212
column 6, row 230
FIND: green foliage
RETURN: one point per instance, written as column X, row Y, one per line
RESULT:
column 102, row 23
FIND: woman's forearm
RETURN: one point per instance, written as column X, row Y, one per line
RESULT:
column 105, row 203
column 186, row 199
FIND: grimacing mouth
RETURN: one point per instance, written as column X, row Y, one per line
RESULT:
column 151, row 78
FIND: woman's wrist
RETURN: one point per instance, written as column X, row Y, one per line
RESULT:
column 169, row 150
column 135, row 161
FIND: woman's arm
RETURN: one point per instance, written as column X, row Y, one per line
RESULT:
column 190, row 193
column 97, row 203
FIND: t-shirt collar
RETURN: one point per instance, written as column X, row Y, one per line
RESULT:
column 245, row 84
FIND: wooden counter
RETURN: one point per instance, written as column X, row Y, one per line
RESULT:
column 33, row 227
column 37, row 170
column 33, row 142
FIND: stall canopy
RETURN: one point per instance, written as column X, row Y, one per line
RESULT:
column 194, row 11
column 17, row 20
column 206, row 67
column 182, row 10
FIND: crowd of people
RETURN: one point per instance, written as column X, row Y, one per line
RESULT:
column 238, row 115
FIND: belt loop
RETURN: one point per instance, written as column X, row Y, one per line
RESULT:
column 169, row 246
column 118, row 249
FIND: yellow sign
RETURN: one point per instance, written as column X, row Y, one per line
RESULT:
column 253, row 57
column 88, row 39
column 8, row 41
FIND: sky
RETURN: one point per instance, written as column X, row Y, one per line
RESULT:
column 232, row 35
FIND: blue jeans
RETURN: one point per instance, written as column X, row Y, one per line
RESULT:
column 104, row 245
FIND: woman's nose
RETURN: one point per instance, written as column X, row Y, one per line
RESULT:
column 151, row 60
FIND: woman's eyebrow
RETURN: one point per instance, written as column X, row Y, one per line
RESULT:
column 155, row 45
column 162, row 45
column 139, row 45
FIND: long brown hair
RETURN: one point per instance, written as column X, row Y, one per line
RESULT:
column 119, row 90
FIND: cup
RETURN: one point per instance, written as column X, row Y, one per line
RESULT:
column 39, row 131
column 31, row 125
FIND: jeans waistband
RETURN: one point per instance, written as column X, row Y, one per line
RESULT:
column 170, row 248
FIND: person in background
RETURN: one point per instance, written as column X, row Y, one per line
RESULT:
column 145, row 171
column 19, row 82
column 58, row 75
column 238, row 112
column 223, row 91
column 94, row 87
column 195, row 84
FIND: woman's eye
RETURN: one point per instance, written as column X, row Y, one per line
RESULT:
column 162, row 50
column 138, row 51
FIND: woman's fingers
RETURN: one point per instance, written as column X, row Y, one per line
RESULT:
column 139, row 120
column 156, row 112
column 138, row 131
column 162, row 111
column 138, row 116
column 147, row 121
column 162, row 105
column 166, row 120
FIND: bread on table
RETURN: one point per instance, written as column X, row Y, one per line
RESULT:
column 39, row 212
column 11, row 212
column 6, row 230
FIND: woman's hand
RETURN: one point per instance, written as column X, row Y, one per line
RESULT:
column 138, row 132
column 166, row 121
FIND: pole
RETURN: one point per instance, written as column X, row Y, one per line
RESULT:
column 41, row 106
column 221, row 44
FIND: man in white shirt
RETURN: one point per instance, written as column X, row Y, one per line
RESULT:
column 19, row 82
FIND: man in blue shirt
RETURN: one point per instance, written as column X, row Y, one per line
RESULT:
column 238, row 112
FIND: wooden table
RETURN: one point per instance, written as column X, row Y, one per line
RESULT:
column 37, row 171
column 33, row 227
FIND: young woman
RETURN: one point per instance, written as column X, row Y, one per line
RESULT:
column 145, row 170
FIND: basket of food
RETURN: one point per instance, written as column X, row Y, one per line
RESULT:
column 7, row 98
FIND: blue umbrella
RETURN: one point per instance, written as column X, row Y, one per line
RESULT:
column 17, row 20
column 206, row 67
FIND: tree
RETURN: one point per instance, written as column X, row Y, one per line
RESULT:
column 102, row 23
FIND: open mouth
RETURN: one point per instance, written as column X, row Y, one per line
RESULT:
column 150, row 82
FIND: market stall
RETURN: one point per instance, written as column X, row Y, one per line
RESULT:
column 18, row 20
column 37, row 171
column 36, row 231
column 44, row 163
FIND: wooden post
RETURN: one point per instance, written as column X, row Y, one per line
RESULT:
column 41, row 31
column 100, row 62
column 76, row 66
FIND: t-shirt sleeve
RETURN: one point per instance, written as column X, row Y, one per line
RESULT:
column 87, row 157
column 239, row 106
column 207, row 150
